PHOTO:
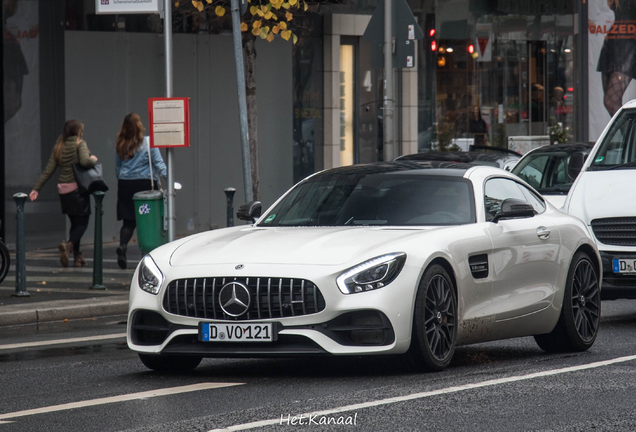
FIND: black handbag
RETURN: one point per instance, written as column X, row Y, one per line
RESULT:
column 89, row 180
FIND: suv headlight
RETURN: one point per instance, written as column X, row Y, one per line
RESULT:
column 149, row 276
column 372, row 274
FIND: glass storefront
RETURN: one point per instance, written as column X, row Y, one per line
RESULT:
column 513, row 71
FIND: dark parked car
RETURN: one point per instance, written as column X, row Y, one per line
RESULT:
column 478, row 155
column 546, row 169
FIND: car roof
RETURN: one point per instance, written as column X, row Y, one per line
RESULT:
column 459, row 156
column 442, row 168
column 563, row 147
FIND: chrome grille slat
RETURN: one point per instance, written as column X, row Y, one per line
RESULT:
column 269, row 296
column 258, row 296
column 302, row 296
column 280, row 297
column 194, row 296
column 205, row 310
column 185, row 298
column 291, row 296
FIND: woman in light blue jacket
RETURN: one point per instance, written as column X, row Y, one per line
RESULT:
column 132, row 168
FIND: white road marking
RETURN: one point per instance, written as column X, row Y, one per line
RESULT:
column 62, row 341
column 122, row 398
column 455, row 389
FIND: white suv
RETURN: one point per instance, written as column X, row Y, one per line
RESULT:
column 604, row 197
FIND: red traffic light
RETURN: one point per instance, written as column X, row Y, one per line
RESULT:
column 471, row 48
column 433, row 46
column 431, row 32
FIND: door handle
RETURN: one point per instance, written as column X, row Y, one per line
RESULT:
column 543, row 233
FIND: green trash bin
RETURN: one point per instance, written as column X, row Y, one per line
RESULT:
column 149, row 210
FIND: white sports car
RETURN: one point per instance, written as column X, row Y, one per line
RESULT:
column 411, row 258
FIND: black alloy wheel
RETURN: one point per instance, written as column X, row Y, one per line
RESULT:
column 435, row 322
column 580, row 316
column 586, row 301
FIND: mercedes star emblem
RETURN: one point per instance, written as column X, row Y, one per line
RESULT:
column 234, row 299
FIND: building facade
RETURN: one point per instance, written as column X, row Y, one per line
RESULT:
column 522, row 65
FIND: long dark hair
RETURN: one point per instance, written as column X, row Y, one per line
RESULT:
column 71, row 128
column 130, row 136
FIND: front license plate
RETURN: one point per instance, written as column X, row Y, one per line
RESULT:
column 624, row 266
column 229, row 332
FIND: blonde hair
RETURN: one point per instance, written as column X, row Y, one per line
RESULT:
column 130, row 136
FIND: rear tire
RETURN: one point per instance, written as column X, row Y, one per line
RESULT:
column 580, row 316
column 434, row 332
column 170, row 363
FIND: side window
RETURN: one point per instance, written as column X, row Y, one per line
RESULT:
column 532, row 198
column 497, row 190
column 533, row 171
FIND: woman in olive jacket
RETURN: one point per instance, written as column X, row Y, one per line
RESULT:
column 69, row 149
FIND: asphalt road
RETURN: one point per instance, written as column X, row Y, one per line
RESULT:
column 501, row 386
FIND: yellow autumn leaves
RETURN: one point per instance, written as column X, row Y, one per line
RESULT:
column 262, row 15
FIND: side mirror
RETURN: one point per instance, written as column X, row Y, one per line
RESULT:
column 576, row 164
column 249, row 211
column 514, row 208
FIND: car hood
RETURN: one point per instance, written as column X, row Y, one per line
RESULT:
column 603, row 194
column 289, row 245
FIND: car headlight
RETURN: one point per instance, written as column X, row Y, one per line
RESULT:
column 372, row 274
column 149, row 276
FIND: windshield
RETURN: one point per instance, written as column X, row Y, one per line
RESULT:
column 618, row 149
column 375, row 199
column 546, row 172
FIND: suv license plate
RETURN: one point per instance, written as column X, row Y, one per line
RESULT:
column 227, row 332
column 627, row 266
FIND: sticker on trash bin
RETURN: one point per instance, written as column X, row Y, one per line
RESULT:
column 144, row 209
column 270, row 218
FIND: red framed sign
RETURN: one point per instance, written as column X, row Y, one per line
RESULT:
column 169, row 122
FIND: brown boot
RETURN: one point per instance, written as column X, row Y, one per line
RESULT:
column 78, row 261
column 65, row 251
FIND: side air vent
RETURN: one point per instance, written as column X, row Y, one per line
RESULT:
column 479, row 266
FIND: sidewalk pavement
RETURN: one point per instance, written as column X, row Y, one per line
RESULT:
column 58, row 293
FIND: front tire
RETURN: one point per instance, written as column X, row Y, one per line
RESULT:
column 580, row 316
column 170, row 363
column 434, row 332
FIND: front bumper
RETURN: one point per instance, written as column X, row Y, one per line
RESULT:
column 353, row 329
column 372, row 322
column 615, row 285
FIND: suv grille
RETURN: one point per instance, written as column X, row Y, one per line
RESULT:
column 615, row 231
column 269, row 298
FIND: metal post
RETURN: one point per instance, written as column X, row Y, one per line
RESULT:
column 229, row 195
column 387, row 116
column 242, row 99
column 167, row 32
column 97, row 252
column 20, row 259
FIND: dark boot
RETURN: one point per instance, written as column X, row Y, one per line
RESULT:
column 121, row 257
column 65, row 251
column 78, row 261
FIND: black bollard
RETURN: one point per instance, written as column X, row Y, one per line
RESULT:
column 229, row 194
column 20, row 258
column 97, row 250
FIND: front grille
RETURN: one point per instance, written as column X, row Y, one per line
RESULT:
column 615, row 231
column 269, row 298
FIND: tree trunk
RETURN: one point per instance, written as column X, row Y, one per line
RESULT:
column 250, row 90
